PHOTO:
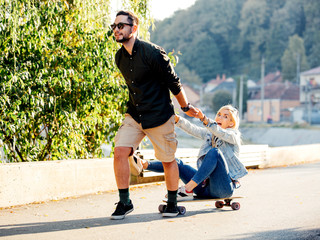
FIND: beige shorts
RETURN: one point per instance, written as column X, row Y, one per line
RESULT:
column 163, row 137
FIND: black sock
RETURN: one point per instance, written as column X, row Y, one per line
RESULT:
column 124, row 196
column 172, row 196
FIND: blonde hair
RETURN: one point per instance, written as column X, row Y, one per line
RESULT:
column 234, row 115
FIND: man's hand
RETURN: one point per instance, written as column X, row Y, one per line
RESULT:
column 193, row 112
column 202, row 117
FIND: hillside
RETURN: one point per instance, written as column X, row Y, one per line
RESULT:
column 231, row 36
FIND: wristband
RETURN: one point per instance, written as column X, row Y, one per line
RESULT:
column 187, row 108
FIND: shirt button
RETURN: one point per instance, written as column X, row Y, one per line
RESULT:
column 137, row 105
column 132, row 82
column 134, row 93
column 140, row 116
column 130, row 70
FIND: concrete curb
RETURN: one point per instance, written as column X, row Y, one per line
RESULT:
column 284, row 156
column 22, row 183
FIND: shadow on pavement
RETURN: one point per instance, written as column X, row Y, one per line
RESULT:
column 291, row 233
column 56, row 226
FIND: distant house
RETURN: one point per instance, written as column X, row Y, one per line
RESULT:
column 279, row 100
column 272, row 78
column 226, row 84
column 310, row 82
column 212, row 84
column 310, row 94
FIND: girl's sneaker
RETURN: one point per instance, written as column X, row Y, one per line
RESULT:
column 135, row 165
column 183, row 193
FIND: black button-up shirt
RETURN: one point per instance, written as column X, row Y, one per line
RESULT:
column 149, row 76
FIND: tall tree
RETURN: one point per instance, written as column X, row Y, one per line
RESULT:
column 253, row 25
column 206, row 32
column 206, row 49
column 189, row 76
column 61, row 95
column 220, row 98
column 285, row 22
column 293, row 55
column 242, row 31
column 312, row 33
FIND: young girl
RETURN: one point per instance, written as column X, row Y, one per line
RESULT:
column 218, row 162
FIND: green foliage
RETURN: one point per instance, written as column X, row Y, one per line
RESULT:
column 205, row 69
column 61, row 95
column 201, row 36
column 231, row 36
column 220, row 98
column 293, row 54
column 312, row 33
column 189, row 77
column 253, row 26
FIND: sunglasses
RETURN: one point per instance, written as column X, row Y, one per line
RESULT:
column 119, row 25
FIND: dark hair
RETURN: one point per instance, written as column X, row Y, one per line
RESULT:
column 132, row 18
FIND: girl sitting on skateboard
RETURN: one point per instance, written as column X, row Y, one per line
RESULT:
column 218, row 162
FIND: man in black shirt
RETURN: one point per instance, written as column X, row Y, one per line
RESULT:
column 150, row 77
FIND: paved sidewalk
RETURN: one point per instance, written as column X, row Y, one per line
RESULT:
column 280, row 203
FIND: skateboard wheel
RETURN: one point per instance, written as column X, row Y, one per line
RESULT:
column 235, row 206
column 219, row 204
column 161, row 208
column 182, row 210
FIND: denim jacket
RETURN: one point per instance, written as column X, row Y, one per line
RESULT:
column 228, row 143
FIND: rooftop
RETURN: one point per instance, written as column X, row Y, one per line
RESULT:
column 278, row 90
column 311, row 71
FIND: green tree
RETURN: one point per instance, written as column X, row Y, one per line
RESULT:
column 293, row 55
column 239, row 32
column 286, row 21
column 312, row 33
column 253, row 25
column 206, row 49
column 203, row 34
column 314, row 52
column 61, row 95
column 187, row 76
column 220, row 98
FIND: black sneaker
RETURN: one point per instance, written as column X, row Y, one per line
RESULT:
column 122, row 210
column 171, row 210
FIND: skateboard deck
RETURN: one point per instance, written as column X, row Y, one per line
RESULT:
column 219, row 203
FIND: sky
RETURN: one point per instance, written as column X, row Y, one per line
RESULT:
column 161, row 9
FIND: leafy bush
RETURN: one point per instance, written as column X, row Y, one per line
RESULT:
column 61, row 95
column 220, row 98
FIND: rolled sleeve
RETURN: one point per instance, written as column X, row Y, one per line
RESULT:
column 161, row 63
column 191, row 128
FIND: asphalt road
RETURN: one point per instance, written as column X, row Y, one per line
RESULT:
column 279, row 203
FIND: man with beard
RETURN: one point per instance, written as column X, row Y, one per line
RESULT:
column 150, row 77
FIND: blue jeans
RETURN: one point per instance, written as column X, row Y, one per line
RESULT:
column 219, row 183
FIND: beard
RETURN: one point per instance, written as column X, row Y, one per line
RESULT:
column 123, row 39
